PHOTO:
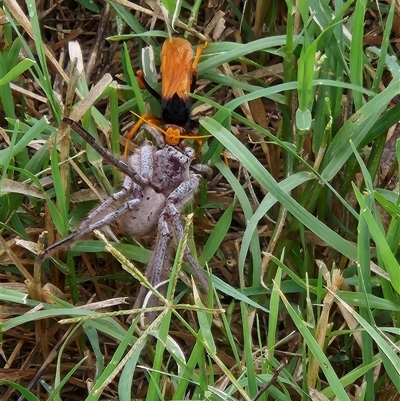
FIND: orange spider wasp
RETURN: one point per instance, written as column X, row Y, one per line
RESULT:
column 178, row 78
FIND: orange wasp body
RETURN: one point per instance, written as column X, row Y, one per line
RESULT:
column 178, row 78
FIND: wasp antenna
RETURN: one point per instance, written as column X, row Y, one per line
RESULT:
column 195, row 136
column 144, row 119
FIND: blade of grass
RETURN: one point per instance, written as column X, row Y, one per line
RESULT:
column 266, row 180
column 391, row 358
column 18, row 70
column 356, row 51
column 390, row 263
column 319, row 355
column 245, row 203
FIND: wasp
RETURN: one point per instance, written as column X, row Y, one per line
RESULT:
column 178, row 71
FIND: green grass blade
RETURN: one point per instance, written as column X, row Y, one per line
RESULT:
column 266, row 180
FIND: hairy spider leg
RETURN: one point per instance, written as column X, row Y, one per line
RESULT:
column 90, row 223
column 177, row 200
column 106, row 154
column 157, row 268
column 134, row 188
column 169, row 222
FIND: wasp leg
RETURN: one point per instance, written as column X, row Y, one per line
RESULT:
column 145, row 118
column 143, row 84
column 196, row 60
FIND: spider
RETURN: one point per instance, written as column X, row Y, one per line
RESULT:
column 159, row 182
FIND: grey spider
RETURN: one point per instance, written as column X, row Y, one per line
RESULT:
column 159, row 182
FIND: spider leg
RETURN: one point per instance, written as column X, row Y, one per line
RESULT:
column 139, row 161
column 202, row 168
column 105, row 153
column 97, row 218
column 177, row 200
column 170, row 224
column 155, row 133
column 156, row 271
column 157, row 268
